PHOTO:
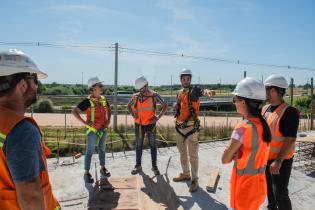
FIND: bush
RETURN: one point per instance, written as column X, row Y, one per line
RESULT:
column 44, row 106
column 303, row 102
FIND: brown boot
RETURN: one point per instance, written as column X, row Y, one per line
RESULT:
column 181, row 178
column 194, row 186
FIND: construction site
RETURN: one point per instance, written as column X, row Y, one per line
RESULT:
column 157, row 105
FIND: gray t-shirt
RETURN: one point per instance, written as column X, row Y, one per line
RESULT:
column 23, row 152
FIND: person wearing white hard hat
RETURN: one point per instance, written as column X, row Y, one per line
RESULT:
column 24, row 179
column 98, row 114
column 142, row 107
column 283, row 121
column 249, row 147
column 187, row 127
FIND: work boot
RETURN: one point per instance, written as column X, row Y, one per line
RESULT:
column 194, row 186
column 181, row 178
column 156, row 170
column 136, row 170
column 88, row 178
column 104, row 172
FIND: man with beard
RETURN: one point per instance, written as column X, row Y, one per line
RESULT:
column 142, row 107
column 283, row 121
column 24, row 181
column 187, row 127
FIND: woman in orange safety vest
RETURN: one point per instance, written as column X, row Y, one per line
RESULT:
column 249, row 148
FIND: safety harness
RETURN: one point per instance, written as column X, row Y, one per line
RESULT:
column 185, row 123
column 99, row 133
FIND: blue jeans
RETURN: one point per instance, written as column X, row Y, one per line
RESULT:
column 92, row 139
column 140, row 132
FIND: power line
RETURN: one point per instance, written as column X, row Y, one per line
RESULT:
column 111, row 48
column 60, row 45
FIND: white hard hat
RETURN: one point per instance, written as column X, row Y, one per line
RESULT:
column 276, row 80
column 93, row 81
column 250, row 88
column 185, row 71
column 14, row 61
column 141, row 82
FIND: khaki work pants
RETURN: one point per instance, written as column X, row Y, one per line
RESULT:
column 191, row 145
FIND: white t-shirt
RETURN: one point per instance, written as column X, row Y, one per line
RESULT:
column 238, row 134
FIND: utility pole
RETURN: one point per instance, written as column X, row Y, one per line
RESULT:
column 82, row 81
column 171, row 85
column 115, row 87
column 312, row 87
column 291, row 92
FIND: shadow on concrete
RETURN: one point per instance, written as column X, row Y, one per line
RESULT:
column 203, row 200
column 160, row 191
column 102, row 195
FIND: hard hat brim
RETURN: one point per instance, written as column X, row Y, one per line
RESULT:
column 9, row 70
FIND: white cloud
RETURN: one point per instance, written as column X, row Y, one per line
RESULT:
column 81, row 8
column 178, row 8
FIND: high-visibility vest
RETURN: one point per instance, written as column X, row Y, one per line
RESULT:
column 184, row 113
column 97, row 114
column 145, row 110
column 248, row 180
column 8, row 197
column 277, row 140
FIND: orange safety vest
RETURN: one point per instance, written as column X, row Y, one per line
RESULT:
column 248, row 180
column 97, row 113
column 273, row 120
column 184, row 113
column 8, row 197
column 145, row 110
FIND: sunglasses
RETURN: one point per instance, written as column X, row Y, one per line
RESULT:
column 33, row 77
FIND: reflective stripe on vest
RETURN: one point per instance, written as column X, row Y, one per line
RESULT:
column 250, row 167
column 145, row 110
column 274, row 123
column 2, row 139
column 149, row 108
column 277, row 140
column 104, row 104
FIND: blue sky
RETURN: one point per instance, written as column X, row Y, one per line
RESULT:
column 272, row 32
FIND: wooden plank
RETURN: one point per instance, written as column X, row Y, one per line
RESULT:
column 213, row 181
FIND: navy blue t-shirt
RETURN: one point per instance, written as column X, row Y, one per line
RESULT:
column 23, row 152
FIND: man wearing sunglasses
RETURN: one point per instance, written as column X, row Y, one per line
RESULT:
column 98, row 114
column 142, row 107
column 24, row 181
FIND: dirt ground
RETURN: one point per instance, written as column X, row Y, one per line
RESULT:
column 60, row 120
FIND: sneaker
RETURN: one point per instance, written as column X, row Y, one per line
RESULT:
column 136, row 170
column 194, row 186
column 181, row 178
column 88, row 178
column 104, row 172
column 155, row 170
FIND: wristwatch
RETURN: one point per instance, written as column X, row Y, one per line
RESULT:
column 279, row 160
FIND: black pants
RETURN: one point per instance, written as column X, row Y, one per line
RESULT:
column 277, row 185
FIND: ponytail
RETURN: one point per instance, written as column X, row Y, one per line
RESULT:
column 267, row 133
column 253, row 108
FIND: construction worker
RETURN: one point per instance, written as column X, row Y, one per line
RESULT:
column 187, row 127
column 248, row 147
column 98, row 114
column 283, row 121
column 24, row 181
column 142, row 107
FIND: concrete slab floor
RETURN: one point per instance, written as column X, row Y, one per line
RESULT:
column 70, row 189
